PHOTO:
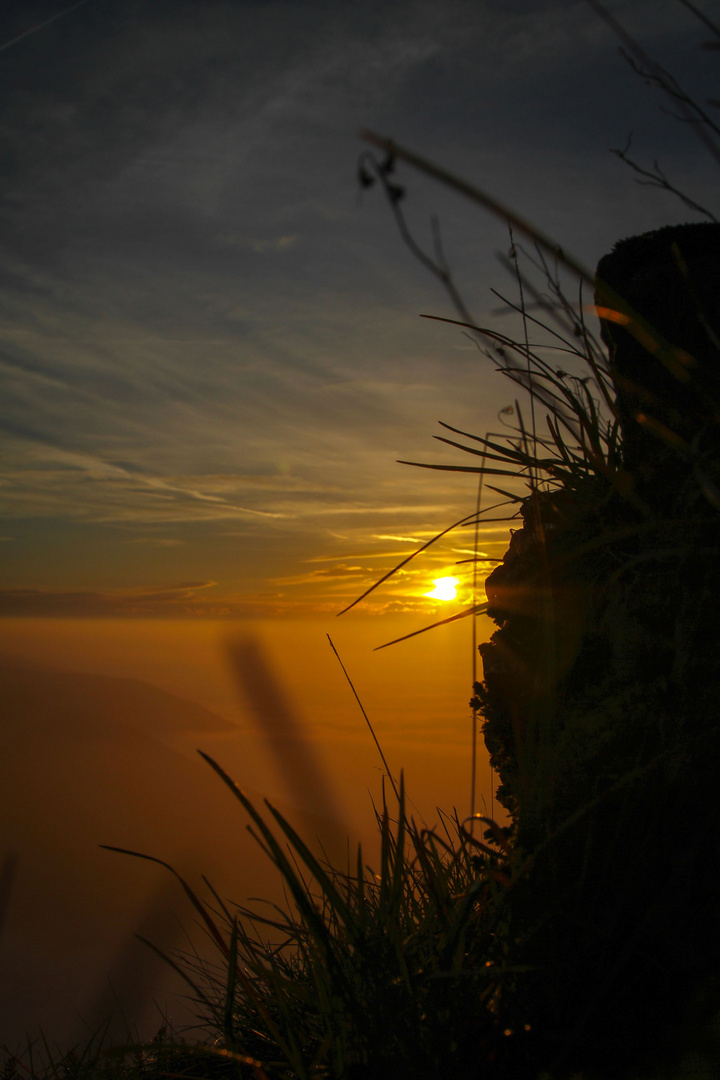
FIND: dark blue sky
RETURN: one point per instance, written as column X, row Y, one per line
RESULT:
column 210, row 349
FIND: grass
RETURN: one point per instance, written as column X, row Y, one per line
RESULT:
column 582, row 941
column 366, row 973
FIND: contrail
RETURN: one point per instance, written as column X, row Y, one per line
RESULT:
column 41, row 26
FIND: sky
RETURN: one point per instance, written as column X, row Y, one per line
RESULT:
column 211, row 347
column 212, row 359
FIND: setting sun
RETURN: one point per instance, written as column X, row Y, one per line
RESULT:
column 445, row 589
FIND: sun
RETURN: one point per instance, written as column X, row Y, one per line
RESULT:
column 445, row 589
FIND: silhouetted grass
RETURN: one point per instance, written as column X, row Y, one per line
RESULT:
column 166, row 1055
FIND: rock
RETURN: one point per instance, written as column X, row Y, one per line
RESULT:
column 601, row 688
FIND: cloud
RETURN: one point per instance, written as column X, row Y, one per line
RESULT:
column 273, row 244
column 400, row 539
column 202, row 328
column 193, row 600
column 341, row 571
column 160, row 601
column 157, row 541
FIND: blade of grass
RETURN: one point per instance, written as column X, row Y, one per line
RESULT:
column 196, row 903
column 367, row 719
column 394, row 150
column 300, row 896
column 453, row 468
column 423, row 547
column 477, row 609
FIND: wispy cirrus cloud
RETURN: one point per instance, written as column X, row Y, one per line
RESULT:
column 160, row 601
column 206, row 339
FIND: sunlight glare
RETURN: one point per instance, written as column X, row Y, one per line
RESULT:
column 445, row 589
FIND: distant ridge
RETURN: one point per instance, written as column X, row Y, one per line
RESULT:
column 38, row 694
column 85, row 760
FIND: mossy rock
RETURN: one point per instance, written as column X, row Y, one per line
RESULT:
column 601, row 689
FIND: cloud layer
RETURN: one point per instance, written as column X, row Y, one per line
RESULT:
column 210, row 352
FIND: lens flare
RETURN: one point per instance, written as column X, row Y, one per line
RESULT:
column 445, row 589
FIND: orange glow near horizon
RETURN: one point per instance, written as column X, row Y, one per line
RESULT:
column 416, row 692
column 103, row 732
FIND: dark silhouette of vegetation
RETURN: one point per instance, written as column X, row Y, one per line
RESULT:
column 602, row 683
